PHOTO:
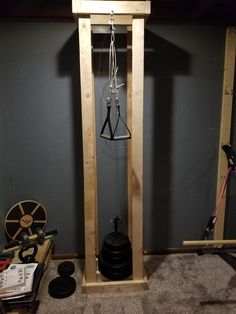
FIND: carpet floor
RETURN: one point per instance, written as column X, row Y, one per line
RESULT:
column 178, row 284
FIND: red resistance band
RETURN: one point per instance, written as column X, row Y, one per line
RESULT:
column 231, row 156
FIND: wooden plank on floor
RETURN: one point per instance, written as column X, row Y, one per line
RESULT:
column 114, row 286
column 209, row 242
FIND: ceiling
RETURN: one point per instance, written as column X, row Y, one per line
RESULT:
column 220, row 12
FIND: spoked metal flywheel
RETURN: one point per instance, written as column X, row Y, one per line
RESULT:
column 25, row 216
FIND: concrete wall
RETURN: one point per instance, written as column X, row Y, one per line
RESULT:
column 40, row 130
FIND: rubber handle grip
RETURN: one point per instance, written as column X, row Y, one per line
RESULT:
column 51, row 232
column 11, row 245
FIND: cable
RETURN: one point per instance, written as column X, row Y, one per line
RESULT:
column 108, row 131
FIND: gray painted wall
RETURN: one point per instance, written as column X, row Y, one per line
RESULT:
column 40, row 130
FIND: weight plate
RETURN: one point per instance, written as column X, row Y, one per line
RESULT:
column 116, row 276
column 116, row 256
column 116, row 241
column 25, row 216
column 62, row 287
column 115, row 272
column 66, row 268
column 114, row 267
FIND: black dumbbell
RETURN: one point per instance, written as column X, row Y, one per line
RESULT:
column 64, row 285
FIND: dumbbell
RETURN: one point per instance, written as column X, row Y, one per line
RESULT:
column 64, row 285
column 29, row 243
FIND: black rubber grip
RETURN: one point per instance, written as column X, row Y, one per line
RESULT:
column 51, row 232
column 11, row 245
column 230, row 154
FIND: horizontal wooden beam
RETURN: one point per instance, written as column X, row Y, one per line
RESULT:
column 114, row 286
column 209, row 243
column 103, row 19
column 84, row 7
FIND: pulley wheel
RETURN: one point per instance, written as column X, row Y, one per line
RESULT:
column 25, row 216
column 66, row 268
column 62, row 287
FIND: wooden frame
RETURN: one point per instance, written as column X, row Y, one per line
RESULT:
column 131, row 14
column 225, row 132
column 225, row 128
column 85, row 7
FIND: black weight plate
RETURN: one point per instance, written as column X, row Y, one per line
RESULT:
column 62, row 287
column 66, row 268
column 115, row 273
column 113, row 266
column 116, row 241
column 116, row 276
column 116, row 256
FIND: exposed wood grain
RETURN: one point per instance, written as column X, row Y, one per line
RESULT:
column 137, row 145
column 89, row 147
column 104, row 19
column 105, row 7
column 209, row 242
column 129, row 124
column 225, row 127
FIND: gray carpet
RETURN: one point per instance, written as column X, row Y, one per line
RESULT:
column 180, row 283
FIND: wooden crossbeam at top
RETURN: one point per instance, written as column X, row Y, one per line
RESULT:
column 85, row 7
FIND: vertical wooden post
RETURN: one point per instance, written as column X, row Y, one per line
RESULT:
column 129, row 124
column 137, row 145
column 95, row 165
column 225, row 129
column 89, row 147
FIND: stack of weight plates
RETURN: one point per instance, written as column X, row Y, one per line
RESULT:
column 115, row 258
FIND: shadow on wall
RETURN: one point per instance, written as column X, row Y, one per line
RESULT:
column 163, row 60
column 68, row 65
